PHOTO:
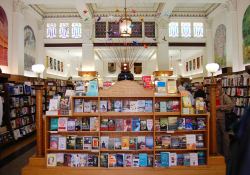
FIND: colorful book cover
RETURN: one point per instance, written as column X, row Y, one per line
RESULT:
column 148, row 106
column 163, row 106
column 104, row 141
column 118, row 143
column 170, row 106
column 191, row 141
column 83, row 160
column 79, row 142
column 164, row 124
column 201, row 158
column 135, row 124
column 150, row 161
column 79, row 105
column 92, row 86
column 90, row 160
column 103, row 106
column 161, row 87
column 157, row 106
column 71, row 124
column 60, row 159
column 132, row 143
column 87, row 106
column 133, row 106
column 181, row 123
column 95, row 161
column 183, row 142
column 112, row 160
column 111, row 144
column 54, row 140
column 51, row 159
column 176, row 106
column 128, row 160
column 127, row 124
column 143, row 125
column 149, row 143
column 172, row 123
column 62, row 124
column 135, row 161
column 147, row 82
column 143, row 160
column 119, row 124
column 78, row 125
column 94, row 124
column 95, row 143
column 86, row 124
column 111, row 124
column 186, row 160
column 157, row 160
column 118, row 106
column 120, row 160
column 193, row 159
column 199, row 141
column 74, row 160
column 62, row 143
column 71, row 142
column 125, row 106
column 165, row 159
column 104, row 124
column 141, row 142
column 87, row 142
column 175, row 142
column 189, row 124
column 150, row 124
column 67, row 159
column 201, row 123
column 180, row 159
column 141, row 105
column 157, row 125
column 125, row 142
column 104, row 160
column 54, row 124
column 94, row 106
column 173, row 159
column 158, row 142
column 166, row 141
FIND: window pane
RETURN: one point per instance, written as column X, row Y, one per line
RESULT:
column 185, row 29
column 64, row 30
column 76, row 30
column 100, row 30
column 173, row 29
column 51, row 30
column 137, row 30
column 115, row 30
column 149, row 29
column 198, row 30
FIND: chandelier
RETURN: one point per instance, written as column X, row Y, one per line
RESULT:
column 125, row 23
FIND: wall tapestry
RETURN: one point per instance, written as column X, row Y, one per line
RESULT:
column 194, row 64
column 47, row 61
column 246, row 36
column 51, row 63
column 61, row 66
column 3, row 38
column 58, row 65
column 111, row 67
column 137, row 68
column 220, row 51
column 190, row 65
column 54, row 64
column 198, row 63
column 201, row 60
column 29, row 48
column 186, row 66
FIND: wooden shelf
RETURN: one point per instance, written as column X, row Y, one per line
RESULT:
column 127, row 131
column 85, row 97
column 73, row 150
column 180, row 131
column 125, row 113
column 75, row 132
column 86, row 114
column 127, row 150
column 168, row 113
column 197, row 149
column 169, row 95
column 197, row 115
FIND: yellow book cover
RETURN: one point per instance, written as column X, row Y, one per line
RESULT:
column 125, row 142
column 186, row 102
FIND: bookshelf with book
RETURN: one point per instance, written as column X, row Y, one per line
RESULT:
column 51, row 90
column 125, row 132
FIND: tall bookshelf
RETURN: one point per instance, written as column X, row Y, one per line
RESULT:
column 51, row 90
column 128, row 90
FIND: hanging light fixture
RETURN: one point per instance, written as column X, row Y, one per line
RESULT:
column 171, row 64
column 180, row 64
column 125, row 23
column 68, row 59
column 77, row 64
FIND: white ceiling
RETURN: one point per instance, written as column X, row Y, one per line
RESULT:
column 197, row 5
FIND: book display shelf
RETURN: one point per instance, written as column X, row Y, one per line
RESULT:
column 51, row 90
column 127, row 90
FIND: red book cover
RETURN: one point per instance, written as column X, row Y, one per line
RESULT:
column 147, row 82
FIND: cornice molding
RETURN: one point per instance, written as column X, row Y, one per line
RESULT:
column 56, row 10
column 19, row 6
column 212, row 9
column 208, row 23
column 62, row 16
column 34, row 7
column 41, row 25
column 113, row 14
column 188, row 14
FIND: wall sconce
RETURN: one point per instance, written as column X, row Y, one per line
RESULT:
column 164, row 74
column 212, row 68
column 38, row 69
column 86, row 75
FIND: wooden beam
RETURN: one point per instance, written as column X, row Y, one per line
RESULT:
column 159, row 73
column 187, row 44
column 90, row 73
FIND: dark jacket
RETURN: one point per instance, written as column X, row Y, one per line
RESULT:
column 200, row 93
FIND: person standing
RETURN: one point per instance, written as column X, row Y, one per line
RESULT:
column 223, row 105
column 200, row 92
column 181, row 88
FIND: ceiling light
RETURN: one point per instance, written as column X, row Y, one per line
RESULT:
column 125, row 29
column 68, row 59
column 87, row 75
column 162, row 75
column 77, row 68
column 68, row 64
column 180, row 64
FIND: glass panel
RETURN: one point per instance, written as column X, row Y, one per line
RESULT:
column 198, row 30
column 173, row 29
column 185, row 29
column 64, row 30
column 100, row 29
column 76, row 30
column 149, row 29
column 136, row 30
column 51, row 30
column 115, row 29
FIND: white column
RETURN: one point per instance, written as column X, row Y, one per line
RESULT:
column 208, row 58
column 41, row 58
column 163, row 56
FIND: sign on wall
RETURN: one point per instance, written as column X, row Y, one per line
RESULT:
column 111, row 68
column 137, row 68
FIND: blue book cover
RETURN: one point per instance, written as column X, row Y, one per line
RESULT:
column 148, row 106
column 135, row 124
column 11, row 90
column 180, row 159
column 189, row 124
column 120, row 160
column 149, row 143
column 92, row 86
column 201, row 158
column 143, row 159
column 118, row 106
column 165, row 159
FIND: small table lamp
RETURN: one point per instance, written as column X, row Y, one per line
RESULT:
column 38, row 69
column 212, row 68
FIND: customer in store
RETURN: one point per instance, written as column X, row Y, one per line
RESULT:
column 223, row 105
column 181, row 88
column 200, row 92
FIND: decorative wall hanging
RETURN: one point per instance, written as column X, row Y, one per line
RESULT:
column 137, row 68
column 58, row 65
column 29, row 48
column 220, row 51
column 111, row 68
column 190, row 65
column 54, row 64
column 246, row 36
column 51, row 63
column 194, row 64
column 198, row 63
column 61, row 66
column 186, row 66
column 201, row 60
column 4, row 38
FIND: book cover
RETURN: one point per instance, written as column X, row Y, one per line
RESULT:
column 53, row 105
column 54, row 140
column 107, row 83
column 53, row 124
column 143, row 160
column 74, row 160
column 183, row 142
column 150, row 161
column 175, row 142
column 86, row 124
column 87, row 106
column 111, row 144
column 158, row 142
column 132, row 143
column 189, row 124
column 199, row 141
column 94, row 107
column 128, row 160
column 148, row 106
column 67, row 159
column 165, row 159
column 71, row 124
column 103, row 106
column 118, row 143
column 94, row 124
column 133, row 106
column 176, row 106
column 95, row 143
column 191, row 141
column 71, row 142
column 157, row 160
column 119, row 124
column 157, row 106
column 157, row 125
column 90, row 160
column 181, row 123
column 164, row 124
column 112, row 160
column 120, row 157
column 172, row 87
column 109, row 106
column 172, row 123
column 127, row 124
column 87, row 142
column 104, row 160
column 135, row 124
column 125, row 142
column 149, row 143
column 111, row 124
column 104, row 141
column 60, row 159
column 62, row 124
column 78, row 125
column 201, row 123
column 141, row 142
column 161, row 87
column 163, row 106
column 143, row 125
column 65, row 103
column 83, row 160
column 125, row 106
column 79, row 142
column 150, row 124
column 141, row 105
column 93, row 86
column 95, row 161
column 166, row 141
column 104, row 124
column 51, row 159
column 180, row 159
column 193, row 159
column 186, row 102
column 147, row 82
column 170, row 106
column 79, row 105
column 135, row 161
column 173, row 159
column 201, row 158
column 118, row 106
column 62, row 143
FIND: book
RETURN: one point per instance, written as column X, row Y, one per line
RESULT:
column 189, row 124
column 158, row 142
column 125, row 106
column 93, row 86
column 74, row 160
column 132, row 143
column 150, row 160
column 173, row 159
column 65, row 103
column 149, row 143
column 104, row 141
column 143, row 160
column 62, row 123
column 107, row 83
column 172, row 87
column 161, row 87
column 111, row 124
column 169, row 106
column 51, row 159
column 118, row 143
column 127, row 124
column 172, row 123
column 104, row 160
column 67, row 159
column 157, row 160
column 119, row 124
column 180, row 159
column 128, row 160
column 143, row 125
column 141, row 142
column 62, row 143
column 53, row 105
column 120, row 157
column 175, row 142
column 165, row 159
column 112, row 160
column 109, row 107
column 125, row 142
column 53, row 124
column 79, row 105
column 94, row 124
column 118, row 106
column 193, row 159
column 147, row 82
column 141, row 105
column 164, row 124
column 87, row 142
column 201, row 158
column 90, row 160
column 150, row 124
column 176, row 106
column 148, row 106
column 59, row 159
column 191, row 141
column 103, row 106
column 104, row 124
column 166, row 141
column 94, row 107
column 186, row 160
column 201, row 123
column 83, row 160
column 87, row 106
column 157, row 106
column 157, row 125
column 71, row 124
column 135, row 161
column 111, row 144
column 95, row 161
column 199, row 141
column 135, row 124
column 186, row 100
column 54, row 140
column 183, row 142
column 78, row 125
column 79, row 142
column 71, row 142
column 133, row 106
column 181, row 124
column 95, row 143
column 163, row 106
column 86, row 124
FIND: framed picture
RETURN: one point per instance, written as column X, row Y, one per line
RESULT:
column 54, row 64
column 111, row 68
column 190, row 65
column 47, row 61
column 186, row 66
column 137, row 68
column 201, row 60
column 51, row 63
column 61, row 66
column 58, row 65
column 193, row 64
column 198, row 63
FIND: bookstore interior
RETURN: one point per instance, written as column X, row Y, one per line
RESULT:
column 113, row 85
